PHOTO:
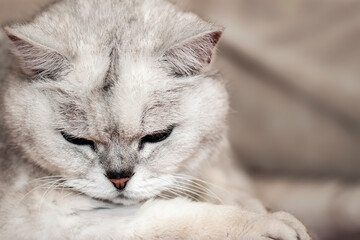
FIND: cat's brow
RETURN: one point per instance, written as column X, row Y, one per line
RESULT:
column 111, row 75
column 168, row 101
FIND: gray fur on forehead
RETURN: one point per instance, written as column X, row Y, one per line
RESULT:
column 132, row 25
column 79, row 114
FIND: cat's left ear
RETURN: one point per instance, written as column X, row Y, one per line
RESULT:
column 192, row 56
column 35, row 58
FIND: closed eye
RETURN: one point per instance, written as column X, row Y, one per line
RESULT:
column 156, row 137
column 78, row 141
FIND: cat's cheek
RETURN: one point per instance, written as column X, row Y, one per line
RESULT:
column 146, row 150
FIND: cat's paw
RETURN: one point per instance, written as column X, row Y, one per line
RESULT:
column 277, row 226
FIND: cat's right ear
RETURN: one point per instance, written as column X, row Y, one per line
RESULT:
column 34, row 58
column 192, row 56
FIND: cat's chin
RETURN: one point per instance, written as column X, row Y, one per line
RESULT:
column 126, row 201
column 118, row 200
column 122, row 200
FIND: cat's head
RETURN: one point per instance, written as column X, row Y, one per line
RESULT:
column 113, row 92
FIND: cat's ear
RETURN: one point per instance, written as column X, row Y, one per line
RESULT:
column 192, row 56
column 34, row 58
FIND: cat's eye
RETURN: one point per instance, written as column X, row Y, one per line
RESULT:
column 156, row 137
column 78, row 141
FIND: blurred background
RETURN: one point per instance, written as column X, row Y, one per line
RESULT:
column 293, row 72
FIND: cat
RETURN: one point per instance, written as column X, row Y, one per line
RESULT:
column 115, row 128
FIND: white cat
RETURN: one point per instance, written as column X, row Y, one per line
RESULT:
column 115, row 122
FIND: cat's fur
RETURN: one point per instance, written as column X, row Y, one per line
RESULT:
column 114, row 71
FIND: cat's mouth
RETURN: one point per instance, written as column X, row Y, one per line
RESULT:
column 138, row 189
column 123, row 199
column 120, row 199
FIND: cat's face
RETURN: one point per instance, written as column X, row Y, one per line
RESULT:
column 111, row 110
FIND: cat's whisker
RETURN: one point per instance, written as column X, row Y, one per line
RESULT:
column 33, row 189
column 193, row 184
column 73, row 194
column 62, row 189
column 46, row 178
column 199, row 180
column 192, row 178
column 177, row 190
column 176, row 194
column 59, row 186
column 199, row 195
column 183, row 190
column 77, row 190
column 184, row 194
column 53, row 181
column 50, row 189
column 164, row 196
column 169, row 189
column 204, row 192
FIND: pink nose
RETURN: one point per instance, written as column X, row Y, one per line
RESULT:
column 120, row 183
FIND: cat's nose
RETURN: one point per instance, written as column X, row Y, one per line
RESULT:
column 119, row 179
column 120, row 183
